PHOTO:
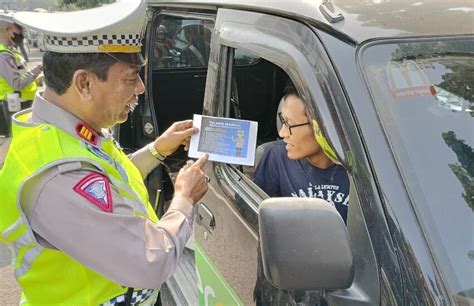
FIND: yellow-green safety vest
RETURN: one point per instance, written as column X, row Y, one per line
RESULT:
column 26, row 93
column 47, row 276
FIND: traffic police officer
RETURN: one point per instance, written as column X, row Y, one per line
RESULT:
column 75, row 210
column 14, row 77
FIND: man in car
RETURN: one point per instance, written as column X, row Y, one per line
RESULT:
column 75, row 210
column 297, row 166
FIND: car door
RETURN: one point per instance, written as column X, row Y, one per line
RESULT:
column 227, row 225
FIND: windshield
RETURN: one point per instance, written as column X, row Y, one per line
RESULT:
column 424, row 94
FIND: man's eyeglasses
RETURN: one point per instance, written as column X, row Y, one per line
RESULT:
column 289, row 126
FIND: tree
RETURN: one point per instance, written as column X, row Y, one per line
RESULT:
column 464, row 170
column 81, row 4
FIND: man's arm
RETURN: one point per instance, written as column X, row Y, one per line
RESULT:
column 130, row 250
column 10, row 72
column 176, row 135
column 144, row 161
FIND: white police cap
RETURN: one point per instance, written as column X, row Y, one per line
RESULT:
column 115, row 29
column 6, row 17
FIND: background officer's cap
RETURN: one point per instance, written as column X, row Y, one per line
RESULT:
column 115, row 29
column 6, row 17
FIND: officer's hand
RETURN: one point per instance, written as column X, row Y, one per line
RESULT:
column 177, row 134
column 40, row 80
column 191, row 182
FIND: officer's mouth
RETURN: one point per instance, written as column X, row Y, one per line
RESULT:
column 131, row 106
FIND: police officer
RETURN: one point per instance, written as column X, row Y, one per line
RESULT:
column 14, row 77
column 75, row 210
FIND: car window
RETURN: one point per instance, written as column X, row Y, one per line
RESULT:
column 424, row 94
column 244, row 58
column 256, row 92
column 184, row 42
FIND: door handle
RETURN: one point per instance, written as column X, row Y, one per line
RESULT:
column 205, row 217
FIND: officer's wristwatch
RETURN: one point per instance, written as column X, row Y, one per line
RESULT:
column 155, row 153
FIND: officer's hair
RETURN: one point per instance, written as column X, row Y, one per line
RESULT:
column 4, row 25
column 59, row 68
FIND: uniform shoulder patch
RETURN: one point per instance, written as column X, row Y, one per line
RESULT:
column 95, row 187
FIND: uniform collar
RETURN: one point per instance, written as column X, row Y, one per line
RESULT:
column 47, row 112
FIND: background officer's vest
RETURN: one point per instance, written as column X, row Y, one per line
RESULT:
column 27, row 92
column 47, row 276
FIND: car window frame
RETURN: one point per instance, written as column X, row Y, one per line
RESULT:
column 222, row 93
column 326, row 94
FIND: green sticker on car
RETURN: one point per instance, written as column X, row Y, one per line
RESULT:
column 212, row 287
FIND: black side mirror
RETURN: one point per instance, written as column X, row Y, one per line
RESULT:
column 305, row 244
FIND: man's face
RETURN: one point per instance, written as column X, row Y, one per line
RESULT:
column 116, row 97
column 301, row 142
column 160, row 33
column 14, row 31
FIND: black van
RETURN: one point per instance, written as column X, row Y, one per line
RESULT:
column 391, row 83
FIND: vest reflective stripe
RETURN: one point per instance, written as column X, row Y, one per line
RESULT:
column 17, row 237
column 44, row 274
column 17, row 233
column 22, row 264
column 13, row 228
column 21, row 253
column 26, row 93
column 4, row 241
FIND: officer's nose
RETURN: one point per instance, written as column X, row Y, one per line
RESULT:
column 140, row 88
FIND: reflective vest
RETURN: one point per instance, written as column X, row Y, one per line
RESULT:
column 47, row 276
column 26, row 93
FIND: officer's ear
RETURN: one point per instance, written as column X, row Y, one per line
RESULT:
column 82, row 81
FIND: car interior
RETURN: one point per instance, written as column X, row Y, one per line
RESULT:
column 176, row 80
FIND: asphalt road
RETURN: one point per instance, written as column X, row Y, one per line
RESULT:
column 9, row 289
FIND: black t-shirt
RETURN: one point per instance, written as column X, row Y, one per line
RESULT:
column 280, row 176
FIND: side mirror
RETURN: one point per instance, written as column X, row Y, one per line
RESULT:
column 305, row 244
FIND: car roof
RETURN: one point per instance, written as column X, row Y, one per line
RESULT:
column 363, row 19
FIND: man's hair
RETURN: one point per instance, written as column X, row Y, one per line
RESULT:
column 290, row 90
column 59, row 68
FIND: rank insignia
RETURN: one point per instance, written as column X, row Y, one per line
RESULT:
column 87, row 133
column 95, row 187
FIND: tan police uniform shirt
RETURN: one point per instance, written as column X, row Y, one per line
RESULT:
column 130, row 250
column 16, row 76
